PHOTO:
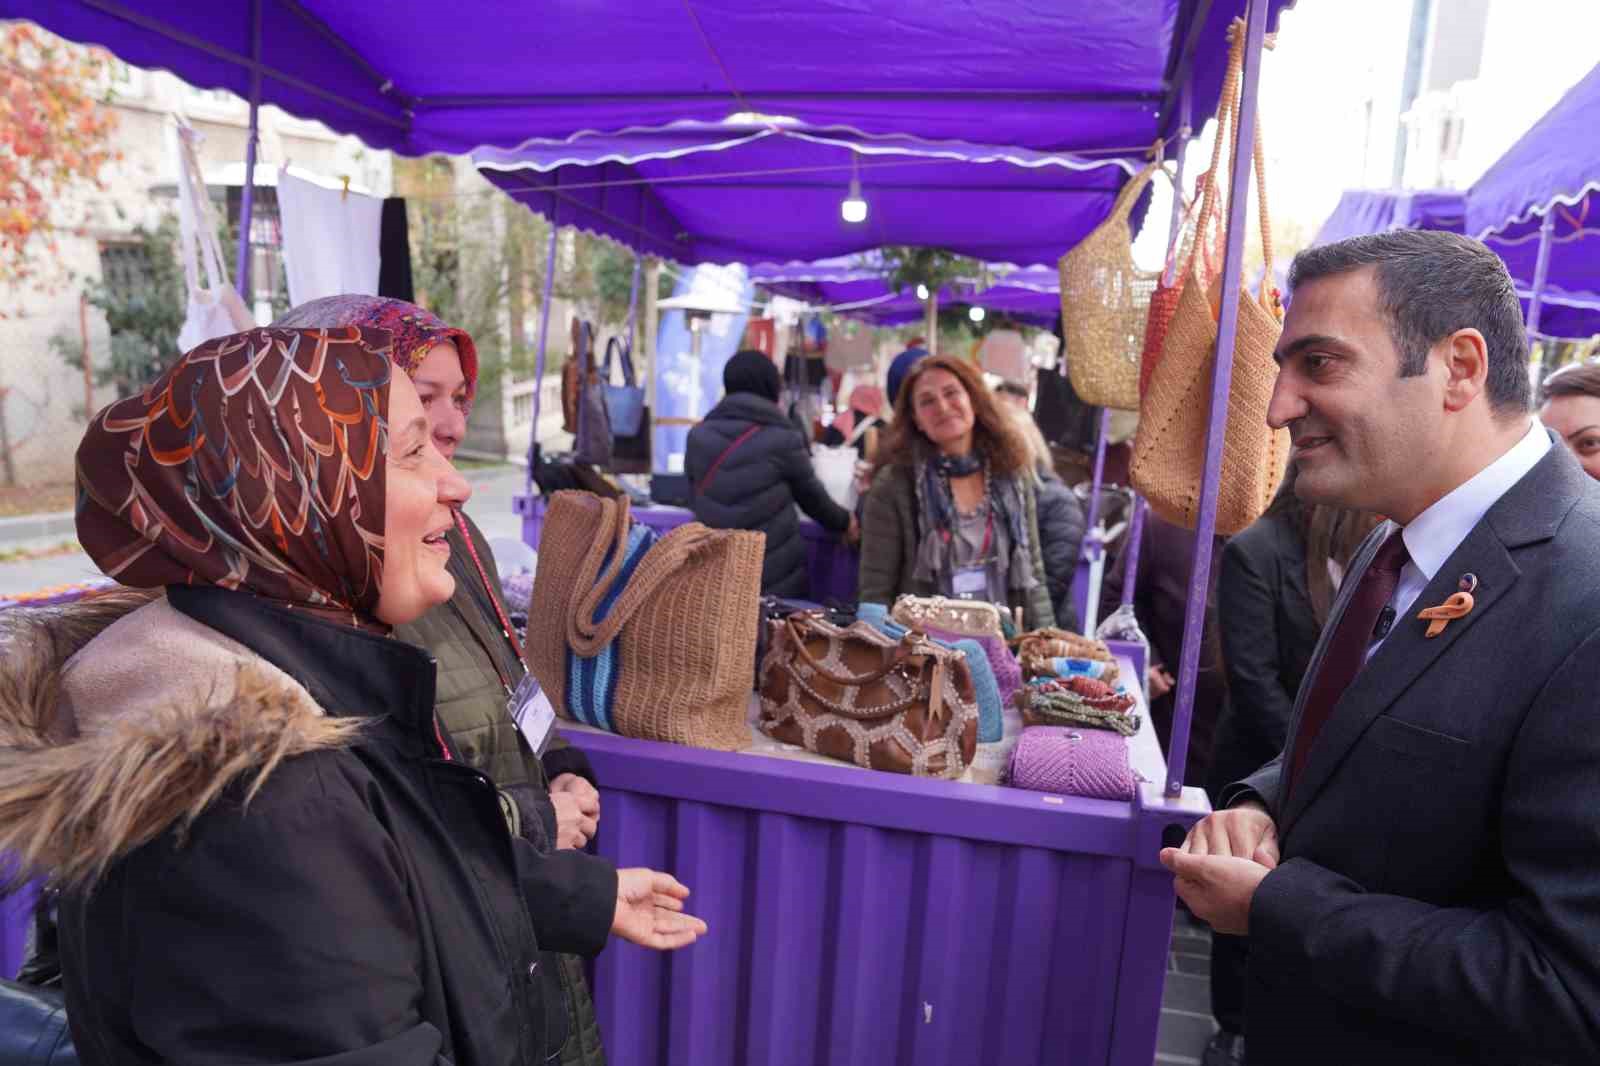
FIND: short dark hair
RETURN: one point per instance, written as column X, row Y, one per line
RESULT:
column 1430, row 284
column 1575, row 379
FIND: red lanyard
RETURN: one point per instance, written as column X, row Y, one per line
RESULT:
column 494, row 595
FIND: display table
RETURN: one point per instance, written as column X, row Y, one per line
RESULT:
column 860, row 917
column 832, row 566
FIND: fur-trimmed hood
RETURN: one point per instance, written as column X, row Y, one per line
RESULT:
column 121, row 718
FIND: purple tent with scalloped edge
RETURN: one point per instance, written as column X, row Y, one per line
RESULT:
column 417, row 77
column 1554, row 172
column 1363, row 211
column 723, row 192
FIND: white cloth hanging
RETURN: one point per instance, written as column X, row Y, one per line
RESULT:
column 330, row 239
column 214, row 308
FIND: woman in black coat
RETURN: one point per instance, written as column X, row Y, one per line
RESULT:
column 749, row 466
column 266, row 850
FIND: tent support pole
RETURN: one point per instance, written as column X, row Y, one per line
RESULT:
column 1089, row 606
column 1221, row 388
column 544, row 338
column 1541, row 273
column 247, row 197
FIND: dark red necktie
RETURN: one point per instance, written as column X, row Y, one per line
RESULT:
column 1347, row 648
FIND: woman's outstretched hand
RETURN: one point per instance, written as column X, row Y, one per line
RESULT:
column 650, row 911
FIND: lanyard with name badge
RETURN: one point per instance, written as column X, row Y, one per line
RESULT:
column 527, row 704
column 972, row 582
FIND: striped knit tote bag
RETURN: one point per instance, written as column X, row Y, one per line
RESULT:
column 650, row 638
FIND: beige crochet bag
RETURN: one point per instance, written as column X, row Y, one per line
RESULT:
column 670, row 658
column 1169, row 449
column 1105, row 301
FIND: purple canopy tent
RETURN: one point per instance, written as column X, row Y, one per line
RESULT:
column 1363, row 211
column 856, row 287
column 1539, row 207
column 717, row 192
column 1075, row 77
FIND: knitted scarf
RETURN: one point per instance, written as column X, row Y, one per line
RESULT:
column 936, row 507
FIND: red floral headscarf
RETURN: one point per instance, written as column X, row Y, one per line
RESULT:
column 414, row 329
column 256, row 462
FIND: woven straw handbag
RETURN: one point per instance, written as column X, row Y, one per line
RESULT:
column 647, row 638
column 1169, row 449
column 1204, row 259
column 856, row 694
column 1104, row 302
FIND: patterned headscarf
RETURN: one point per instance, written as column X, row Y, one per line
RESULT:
column 413, row 328
column 256, row 462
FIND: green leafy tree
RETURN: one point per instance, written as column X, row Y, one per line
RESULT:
column 144, row 310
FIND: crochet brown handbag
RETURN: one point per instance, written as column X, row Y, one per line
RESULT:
column 861, row 696
column 668, row 656
column 1169, row 449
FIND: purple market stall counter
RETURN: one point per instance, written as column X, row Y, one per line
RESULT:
column 862, row 917
column 832, row 566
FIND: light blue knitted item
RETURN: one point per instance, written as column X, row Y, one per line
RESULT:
column 991, row 726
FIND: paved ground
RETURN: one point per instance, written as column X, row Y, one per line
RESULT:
column 1186, row 1022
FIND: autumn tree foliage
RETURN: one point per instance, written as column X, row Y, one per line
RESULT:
column 53, row 137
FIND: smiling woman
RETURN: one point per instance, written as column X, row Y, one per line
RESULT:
column 1572, row 409
column 247, row 766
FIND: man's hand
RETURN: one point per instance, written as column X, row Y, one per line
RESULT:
column 1243, row 832
column 650, row 911
column 852, row 535
column 1159, row 681
column 577, row 807
column 1217, row 889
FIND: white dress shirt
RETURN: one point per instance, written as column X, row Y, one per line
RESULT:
column 1435, row 534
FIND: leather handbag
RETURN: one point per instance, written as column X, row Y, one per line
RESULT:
column 1169, row 449
column 625, row 402
column 1090, row 763
column 1104, row 302
column 648, row 638
column 583, row 402
column 33, row 1027
column 857, row 695
column 996, row 708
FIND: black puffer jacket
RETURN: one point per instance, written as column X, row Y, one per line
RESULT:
column 1061, row 525
column 758, row 485
column 280, row 884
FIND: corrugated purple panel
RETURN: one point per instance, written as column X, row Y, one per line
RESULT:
column 841, row 943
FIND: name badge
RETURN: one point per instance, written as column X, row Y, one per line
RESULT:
column 970, row 583
column 532, row 711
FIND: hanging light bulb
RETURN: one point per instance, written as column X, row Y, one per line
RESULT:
column 853, row 208
column 922, row 292
column 975, row 313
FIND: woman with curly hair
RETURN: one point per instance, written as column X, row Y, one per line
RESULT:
column 952, row 510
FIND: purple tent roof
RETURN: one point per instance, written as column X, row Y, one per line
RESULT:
column 1553, row 170
column 1363, row 211
column 718, row 192
column 417, row 76
column 855, row 286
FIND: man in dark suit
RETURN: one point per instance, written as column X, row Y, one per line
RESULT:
column 1417, row 871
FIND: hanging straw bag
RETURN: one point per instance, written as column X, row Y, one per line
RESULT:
column 1204, row 260
column 214, row 308
column 1169, row 450
column 649, row 639
column 1104, row 303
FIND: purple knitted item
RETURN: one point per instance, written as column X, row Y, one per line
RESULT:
column 1007, row 671
column 1092, row 763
